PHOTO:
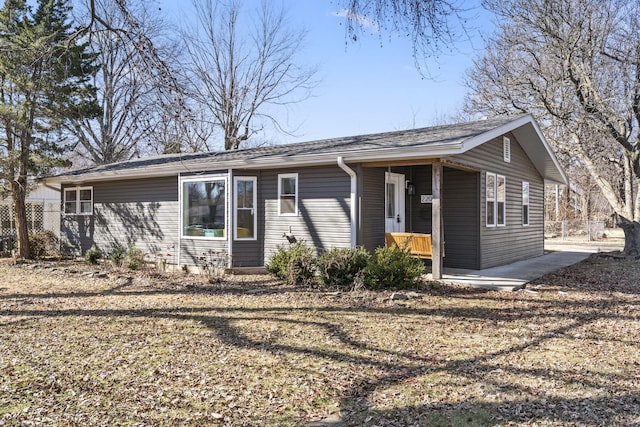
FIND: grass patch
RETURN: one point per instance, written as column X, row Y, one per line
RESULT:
column 135, row 348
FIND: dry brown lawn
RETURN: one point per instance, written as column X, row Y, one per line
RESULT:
column 143, row 349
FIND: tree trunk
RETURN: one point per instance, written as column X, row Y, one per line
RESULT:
column 19, row 194
column 631, row 237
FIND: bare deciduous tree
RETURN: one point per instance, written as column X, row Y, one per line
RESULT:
column 240, row 70
column 131, row 110
column 575, row 64
column 431, row 25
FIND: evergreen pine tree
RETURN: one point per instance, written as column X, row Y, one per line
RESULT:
column 44, row 81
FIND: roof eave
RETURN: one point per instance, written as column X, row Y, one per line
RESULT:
column 542, row 156
column 269, row 162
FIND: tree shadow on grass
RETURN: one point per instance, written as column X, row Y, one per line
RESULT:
column 584, row 398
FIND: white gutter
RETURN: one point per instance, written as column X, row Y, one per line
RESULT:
column 173, row 168
column 354, row 207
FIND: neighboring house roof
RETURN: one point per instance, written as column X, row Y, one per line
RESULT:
column 424, row 143
column 38, row 193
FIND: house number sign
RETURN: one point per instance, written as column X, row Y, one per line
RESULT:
column 426, row 198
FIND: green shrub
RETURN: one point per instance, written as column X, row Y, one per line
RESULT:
column 393, row 268
column 277, row 265
column 341, row 267
column 134, row 258
column 93, row 255
column 44, row 244
column 295, row 265
column 116, row 256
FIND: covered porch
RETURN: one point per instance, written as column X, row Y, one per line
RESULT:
column 433, row 197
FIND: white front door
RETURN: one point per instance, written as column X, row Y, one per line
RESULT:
column 394, row 202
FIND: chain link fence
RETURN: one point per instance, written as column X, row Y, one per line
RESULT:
column 587, row 230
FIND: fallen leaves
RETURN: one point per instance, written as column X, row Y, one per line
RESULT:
column 83, row 347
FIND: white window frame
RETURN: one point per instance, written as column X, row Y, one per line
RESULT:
column 526, row 204
column 201, row 178
column 488, row 199
column 496, row 199
column 503, row 201
column 280, row 178
column 78, row 203
column 236, row 180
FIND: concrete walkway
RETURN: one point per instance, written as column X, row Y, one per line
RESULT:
column 514, row 276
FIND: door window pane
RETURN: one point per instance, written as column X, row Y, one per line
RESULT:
column 391, row 200
column 245, row 208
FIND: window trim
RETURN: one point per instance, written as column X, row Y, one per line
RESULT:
column 526, row 214
column 490, row 199
column 504, row 202
column 204, row 178
column 496, row 200
column 236, row 180
column 280, row 177
column 78, row 202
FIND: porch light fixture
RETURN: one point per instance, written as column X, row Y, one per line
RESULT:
column 411, row 188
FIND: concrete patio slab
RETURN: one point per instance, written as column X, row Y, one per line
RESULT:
column 515, row 276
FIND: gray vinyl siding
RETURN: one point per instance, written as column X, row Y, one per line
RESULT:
column 191, row 250
column 141, row 213
column 460, row 199
column 324, row 209
column 372, row 208
column 505, row 244
column 418, row 218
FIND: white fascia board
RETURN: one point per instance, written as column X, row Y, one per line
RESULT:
column 496, row 132
column 353, row 156
column 541, row 154
column 112, row 176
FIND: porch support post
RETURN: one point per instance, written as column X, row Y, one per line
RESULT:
column 436, row 221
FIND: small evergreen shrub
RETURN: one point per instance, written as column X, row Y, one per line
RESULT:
column 340, row 267
column 116, row 256
column 93, row 255
column 134, row 258
column 43, row 244
column 295, row 265
column 277, row 265
column 393, row 267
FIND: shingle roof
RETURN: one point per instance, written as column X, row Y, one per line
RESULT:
column 415, row 138
column 431, row 142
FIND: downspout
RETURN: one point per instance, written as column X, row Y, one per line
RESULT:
column 354, row 206
column 230, row 231
column 180, row 219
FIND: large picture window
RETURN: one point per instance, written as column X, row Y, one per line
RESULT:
column 78, row 201
column 204, row 207
column 496, row 198
column 288, row 194
column 245, row 209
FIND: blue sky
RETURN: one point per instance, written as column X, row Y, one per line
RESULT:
column 369, row 86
